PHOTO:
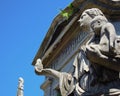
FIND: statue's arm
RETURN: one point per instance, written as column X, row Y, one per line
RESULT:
column 112, row 33
column 95, row 56
column 47, row 72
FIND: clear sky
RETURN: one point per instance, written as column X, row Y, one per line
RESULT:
column 23, row 25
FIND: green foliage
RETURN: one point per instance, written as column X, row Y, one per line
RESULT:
column 69, row 12
column 64, row 14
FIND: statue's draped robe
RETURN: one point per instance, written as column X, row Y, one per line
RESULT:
column 90, row 79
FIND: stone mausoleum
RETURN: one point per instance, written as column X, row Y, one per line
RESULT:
column 65, row 37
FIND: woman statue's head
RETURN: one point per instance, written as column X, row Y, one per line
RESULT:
column 88, row 15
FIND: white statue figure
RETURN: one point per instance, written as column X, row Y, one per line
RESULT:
column 95, row 73
column 20, row 87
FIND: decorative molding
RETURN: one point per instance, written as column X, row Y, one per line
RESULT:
column 69, row 50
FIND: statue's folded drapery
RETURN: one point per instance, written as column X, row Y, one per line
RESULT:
column 86, row 81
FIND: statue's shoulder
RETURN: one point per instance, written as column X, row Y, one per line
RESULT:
column 107, row 27
column 109, row 24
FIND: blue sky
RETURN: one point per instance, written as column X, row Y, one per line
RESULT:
column 23, row 25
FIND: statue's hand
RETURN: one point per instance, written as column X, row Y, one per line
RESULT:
column 39, row 65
